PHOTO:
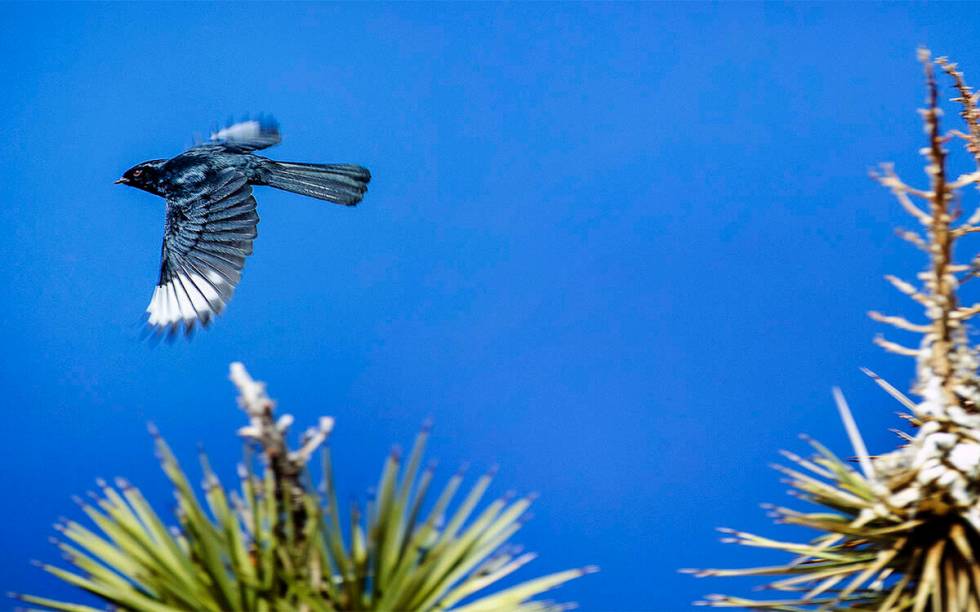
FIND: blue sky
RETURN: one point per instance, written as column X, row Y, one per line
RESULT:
column 623, row 251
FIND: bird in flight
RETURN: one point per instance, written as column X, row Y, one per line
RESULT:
column 210, row 215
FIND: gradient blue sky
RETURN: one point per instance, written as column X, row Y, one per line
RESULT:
column 621, row 250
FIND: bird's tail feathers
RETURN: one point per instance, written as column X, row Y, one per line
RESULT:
column 338, row 183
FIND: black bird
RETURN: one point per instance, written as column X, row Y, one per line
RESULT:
column 211, row 219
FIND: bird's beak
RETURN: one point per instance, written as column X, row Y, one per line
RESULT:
column 121, row 181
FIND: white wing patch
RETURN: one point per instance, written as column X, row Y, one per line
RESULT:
column 205, row 244
column 246, row 130
column 249, row 134
column 187, row 298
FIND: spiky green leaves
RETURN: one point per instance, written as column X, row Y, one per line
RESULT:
column 904, row 532
column 276, row 545
column 870, row 556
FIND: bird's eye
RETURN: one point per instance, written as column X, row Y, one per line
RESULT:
column 137, row 172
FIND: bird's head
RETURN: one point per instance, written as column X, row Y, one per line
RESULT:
column 145, row 176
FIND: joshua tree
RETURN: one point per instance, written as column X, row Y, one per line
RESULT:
column 901, row 531
column 279, row 545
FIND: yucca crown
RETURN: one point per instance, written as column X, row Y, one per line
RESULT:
column 902, row 530
column 277, row 544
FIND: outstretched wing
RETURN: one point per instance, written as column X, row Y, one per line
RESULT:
column 247, row 136
column 207, row 236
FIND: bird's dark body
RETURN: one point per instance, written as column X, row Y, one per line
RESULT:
column 191, row 171
column 211, row 215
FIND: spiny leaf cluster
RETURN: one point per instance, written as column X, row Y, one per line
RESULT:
column 272, row 544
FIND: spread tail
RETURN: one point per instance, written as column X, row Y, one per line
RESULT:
column 339, row 183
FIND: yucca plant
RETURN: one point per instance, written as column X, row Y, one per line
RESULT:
column 277, row 544
column 901, row 531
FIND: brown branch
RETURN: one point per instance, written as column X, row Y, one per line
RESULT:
column 968, row 104
column 270, row 434
column 941, row 282
column 964, row 230
column 898, row 349
column 965, row 180
column 974, row 218
column 901, row 191
column 912, row 238
column 899, row 322
column 964, row 312
column 908, row 289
